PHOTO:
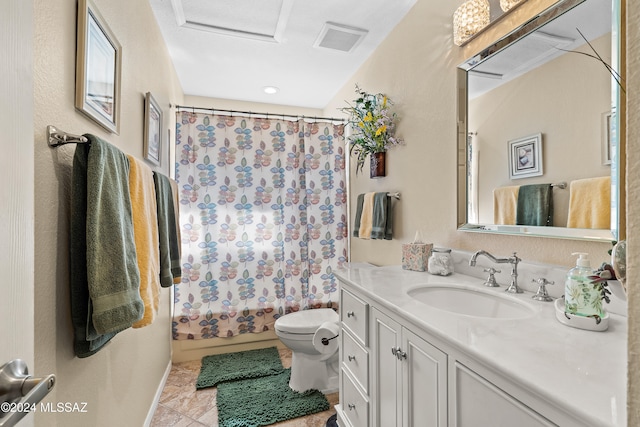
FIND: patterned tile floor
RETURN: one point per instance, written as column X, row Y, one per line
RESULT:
column 181, row 405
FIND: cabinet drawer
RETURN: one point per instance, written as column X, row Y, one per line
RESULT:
column 355, row 359
column 354, row 405
column 354, row 316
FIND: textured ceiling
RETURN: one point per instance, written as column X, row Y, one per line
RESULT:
column 231, row 49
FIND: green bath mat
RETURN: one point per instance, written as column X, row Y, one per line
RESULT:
column 263, row 401
column 237, row 366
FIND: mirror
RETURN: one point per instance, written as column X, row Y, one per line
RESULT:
column 532, row 110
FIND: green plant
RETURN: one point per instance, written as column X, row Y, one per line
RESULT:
column 372, row 124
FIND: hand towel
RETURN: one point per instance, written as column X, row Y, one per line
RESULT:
column 145, row 229
column 367, row 216
column 505, row 202
column 105, row 281
column 381, row 225
column 535, row 205
column 167, row 232
column 356, row 222
column 590, row 203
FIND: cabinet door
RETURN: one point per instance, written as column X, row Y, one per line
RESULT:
column 386, row 392
column 479, row 403
column 424, row 378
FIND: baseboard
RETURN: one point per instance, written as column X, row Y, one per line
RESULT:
column 188, row 350
column 156, row 398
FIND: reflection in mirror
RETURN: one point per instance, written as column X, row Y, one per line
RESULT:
column 537, row 132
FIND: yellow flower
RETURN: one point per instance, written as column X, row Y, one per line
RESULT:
column 384, row 102
column 368, row 117
column 361, row 124
column 382, row 129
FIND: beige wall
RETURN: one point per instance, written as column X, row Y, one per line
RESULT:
column 415, row 67
column 570, row 125
column 119, row 382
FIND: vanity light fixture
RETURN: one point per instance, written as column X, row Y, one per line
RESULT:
column 471, row 17
column 270, row 90
column 506, row 5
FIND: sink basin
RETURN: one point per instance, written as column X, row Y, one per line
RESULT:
column 472, row 302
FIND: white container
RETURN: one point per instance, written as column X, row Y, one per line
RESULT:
column 440, row 262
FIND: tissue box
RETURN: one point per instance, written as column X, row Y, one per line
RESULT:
column 415, row 256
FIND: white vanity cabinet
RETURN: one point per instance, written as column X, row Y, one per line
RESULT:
column 477, row 402
column 354, row 407
column 409, row 376
column 393, row 376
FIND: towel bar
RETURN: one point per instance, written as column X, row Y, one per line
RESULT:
column 57, row 137
column 395, row 195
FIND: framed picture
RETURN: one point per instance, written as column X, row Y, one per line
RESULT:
column 152, row 129
column 98, row 68
column 606, row 138
column 525, row 157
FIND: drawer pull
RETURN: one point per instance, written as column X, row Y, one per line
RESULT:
column 351, row 406
column 350, row 314
column 351, row 358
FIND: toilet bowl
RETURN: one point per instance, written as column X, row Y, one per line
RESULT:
column 312, row 367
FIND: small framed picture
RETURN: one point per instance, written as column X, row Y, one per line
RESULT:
column 607, row 131
column 152, row 129
column 525, row 157
column 98, row 68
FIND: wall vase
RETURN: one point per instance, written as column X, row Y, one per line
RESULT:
column 378, row 164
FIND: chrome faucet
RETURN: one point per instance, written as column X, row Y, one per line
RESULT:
column 513, row 260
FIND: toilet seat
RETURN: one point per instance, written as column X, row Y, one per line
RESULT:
column 305, row 322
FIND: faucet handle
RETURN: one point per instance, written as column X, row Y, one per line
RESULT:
column 541, row 294
column 491, row 280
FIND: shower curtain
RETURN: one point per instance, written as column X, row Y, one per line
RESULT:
column 263, row 219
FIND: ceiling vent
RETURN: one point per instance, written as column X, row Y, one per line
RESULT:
column 263, row 20
column 339, row 37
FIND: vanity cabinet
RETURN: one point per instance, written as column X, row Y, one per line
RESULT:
column 409, row 381
column 392, row 375
column 477, row 402
column 354, row 407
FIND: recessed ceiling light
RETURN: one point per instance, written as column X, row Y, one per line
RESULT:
column 270, row 90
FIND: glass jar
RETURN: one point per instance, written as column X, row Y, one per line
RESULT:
column 440, row 262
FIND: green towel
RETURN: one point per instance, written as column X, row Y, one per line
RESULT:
column 105, row 281
column 356, row 222
column 382, row 221
column 535, row 205
column 167, row 231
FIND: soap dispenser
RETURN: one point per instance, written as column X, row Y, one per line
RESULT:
column 582, row 296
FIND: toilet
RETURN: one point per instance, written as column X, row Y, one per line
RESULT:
column 313, row 365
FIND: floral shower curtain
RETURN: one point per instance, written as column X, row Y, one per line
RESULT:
column 263, row 221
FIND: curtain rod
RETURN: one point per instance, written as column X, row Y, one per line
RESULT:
column 232, row 112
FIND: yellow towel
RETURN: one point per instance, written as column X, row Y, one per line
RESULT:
column 176, row 207
column 505, row 205
column 366, row 220
column 590, row 203
column 145, row 229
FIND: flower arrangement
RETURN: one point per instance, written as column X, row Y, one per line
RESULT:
column 373, row 125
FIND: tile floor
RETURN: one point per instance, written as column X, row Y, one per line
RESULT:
column 181, row 405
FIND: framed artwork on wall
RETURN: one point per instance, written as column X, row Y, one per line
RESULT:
column 525, row 157
column 98, row 68
column 152, row 129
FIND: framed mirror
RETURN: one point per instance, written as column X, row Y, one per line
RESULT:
column 538, row 149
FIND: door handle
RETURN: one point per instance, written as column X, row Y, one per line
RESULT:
column 16, row 383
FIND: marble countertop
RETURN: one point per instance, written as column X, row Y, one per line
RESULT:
column 580, row 371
